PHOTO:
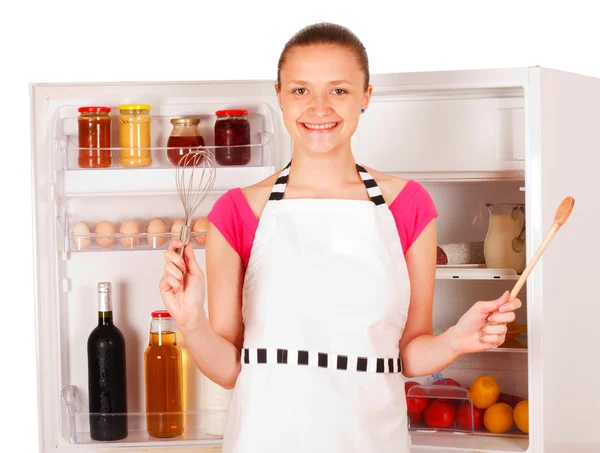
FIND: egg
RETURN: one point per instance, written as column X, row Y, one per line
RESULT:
column 129, row 227
column 106, row 230
column 176, row 228
column 157, row 230
column 200, row 226
column 80, row 235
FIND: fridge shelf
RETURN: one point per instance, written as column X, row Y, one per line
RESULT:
column 122, row 157
column 473, row 272
column 198, row 427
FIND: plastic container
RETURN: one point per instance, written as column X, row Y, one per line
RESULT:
column 134, row 135
column 94, row 137
column 216, row 404
column 184, row 138
column 232, row 133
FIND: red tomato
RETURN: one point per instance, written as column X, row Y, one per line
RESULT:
column 447, row 381
column 463, row 416
column 440, row 414
column 415, row 404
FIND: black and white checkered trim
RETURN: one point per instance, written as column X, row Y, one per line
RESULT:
column 370, row 184
column 253, row 356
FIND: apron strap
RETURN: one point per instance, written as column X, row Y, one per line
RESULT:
column 372, row 188
column 279, row 187
column 370, row 184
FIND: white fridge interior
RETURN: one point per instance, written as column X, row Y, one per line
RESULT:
column 465, row 142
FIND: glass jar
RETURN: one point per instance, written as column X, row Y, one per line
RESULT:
column 185, row 137
column 94, row 137
column 232, row 132
column 164, row 378
column 504, row 245
column 134, row 135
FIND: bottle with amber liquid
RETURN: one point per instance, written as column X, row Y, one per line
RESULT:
column 164, row 379
column 107, row 383
column 184, row 138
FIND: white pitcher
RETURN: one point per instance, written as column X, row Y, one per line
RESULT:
column 504, row 246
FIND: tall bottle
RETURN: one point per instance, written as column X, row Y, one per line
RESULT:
column 164, row 378
column 107, row 384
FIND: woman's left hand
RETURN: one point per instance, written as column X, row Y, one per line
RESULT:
column 483, row 327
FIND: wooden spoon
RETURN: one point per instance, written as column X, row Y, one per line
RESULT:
column 560, row 217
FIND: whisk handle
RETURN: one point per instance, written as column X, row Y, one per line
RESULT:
column 184, row 236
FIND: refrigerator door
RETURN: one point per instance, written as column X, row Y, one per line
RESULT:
column 66, row 277
column 564, row 142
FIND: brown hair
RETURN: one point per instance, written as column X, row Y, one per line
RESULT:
column 327, row 33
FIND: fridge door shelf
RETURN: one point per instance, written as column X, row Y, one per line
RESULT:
column 436, row 408
column 69, row 154
column 200, row 428
column 93, row 242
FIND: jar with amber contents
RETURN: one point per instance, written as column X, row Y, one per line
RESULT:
column 185, row 138
column 232, row 132
column 134, row 135
column 94, row 137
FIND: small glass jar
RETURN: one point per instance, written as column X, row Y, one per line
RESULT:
column 232, row 132
column 163, row 372
column 134, row 135
column 185, row 138
column 94, row 137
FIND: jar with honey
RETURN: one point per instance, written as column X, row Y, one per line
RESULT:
column 164, row 378
column 134, row 135
column 185, row 138
column 94, row 137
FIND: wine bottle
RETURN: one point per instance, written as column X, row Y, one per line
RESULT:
column 107, row 383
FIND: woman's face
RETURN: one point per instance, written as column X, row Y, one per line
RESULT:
column 321, row 95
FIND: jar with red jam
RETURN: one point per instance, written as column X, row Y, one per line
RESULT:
column 184, row 139
column 232, row 137
column 94, row 137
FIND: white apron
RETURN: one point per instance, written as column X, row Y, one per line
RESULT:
column 325, row 302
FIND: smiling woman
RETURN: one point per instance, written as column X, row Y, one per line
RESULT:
column 320, row 278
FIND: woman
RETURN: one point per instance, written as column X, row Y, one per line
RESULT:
column 320, row 278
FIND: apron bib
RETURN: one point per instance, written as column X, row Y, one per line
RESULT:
column 325, row 302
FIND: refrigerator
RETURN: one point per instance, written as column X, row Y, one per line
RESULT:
column 471, row 137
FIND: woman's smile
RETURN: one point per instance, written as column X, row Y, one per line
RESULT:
column 320, row 128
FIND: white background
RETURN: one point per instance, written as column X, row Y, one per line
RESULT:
column 106, row 40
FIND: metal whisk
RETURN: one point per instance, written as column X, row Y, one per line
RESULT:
column 195, row 177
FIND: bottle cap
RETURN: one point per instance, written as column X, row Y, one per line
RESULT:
column 104, row 287
column 161, row 314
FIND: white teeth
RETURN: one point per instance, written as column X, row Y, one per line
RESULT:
column 320, row 126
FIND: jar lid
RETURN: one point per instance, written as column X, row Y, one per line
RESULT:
column 160, row 314
column 93, row 109
column 186, row 121
column 134, row 107
column 231, row 112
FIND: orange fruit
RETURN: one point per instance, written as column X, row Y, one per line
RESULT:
column 484, row 392
column 498, row 418
column 521, row 416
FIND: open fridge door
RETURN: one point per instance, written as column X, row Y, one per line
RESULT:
column 69, row 263
column 564, row 142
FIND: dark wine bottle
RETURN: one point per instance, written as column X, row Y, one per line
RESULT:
column 107, row 384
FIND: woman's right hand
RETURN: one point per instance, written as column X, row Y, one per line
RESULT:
column 186, row 306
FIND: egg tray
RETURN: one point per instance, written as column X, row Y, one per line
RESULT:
column 88, row 242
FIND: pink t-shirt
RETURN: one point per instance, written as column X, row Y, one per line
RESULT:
column 412, row 209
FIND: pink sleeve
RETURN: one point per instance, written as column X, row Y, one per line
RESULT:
column 412, row 209
column 233, row 217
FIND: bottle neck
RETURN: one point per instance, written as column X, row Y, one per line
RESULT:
column 105, row 318
column 105, row 308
